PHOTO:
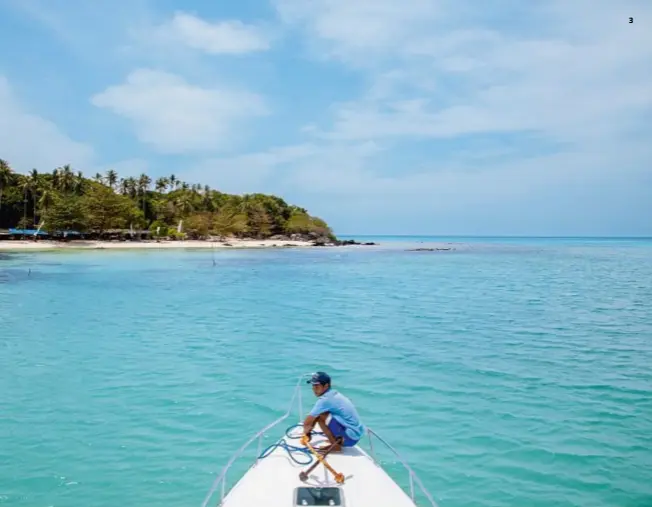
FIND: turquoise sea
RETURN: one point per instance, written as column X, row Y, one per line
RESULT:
column 508, row 371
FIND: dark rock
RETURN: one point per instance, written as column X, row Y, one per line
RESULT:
column 323, row 241
column 346, row 242
column 310, row 236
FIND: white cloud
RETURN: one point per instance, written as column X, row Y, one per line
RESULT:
column 174, row 116
column 29, row 141
column 221, row 37
column 574, row 73
column 357, row 30
column 349, row 185
column 441, row 78
column 309, row 167
column 250, row 172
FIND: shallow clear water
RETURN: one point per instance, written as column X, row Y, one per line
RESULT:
column 507, row 372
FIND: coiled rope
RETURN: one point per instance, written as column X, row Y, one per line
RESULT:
column 292, row 450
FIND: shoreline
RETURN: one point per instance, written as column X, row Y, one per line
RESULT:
column 45, row 245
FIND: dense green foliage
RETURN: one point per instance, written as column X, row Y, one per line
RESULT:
column 65, row 200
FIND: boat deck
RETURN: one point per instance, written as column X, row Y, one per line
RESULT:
column 273, row 482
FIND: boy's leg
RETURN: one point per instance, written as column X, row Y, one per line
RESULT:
column 335, row 441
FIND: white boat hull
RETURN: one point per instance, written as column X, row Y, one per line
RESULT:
column 274, row 481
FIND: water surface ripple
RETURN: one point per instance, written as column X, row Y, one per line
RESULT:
column 507, row 372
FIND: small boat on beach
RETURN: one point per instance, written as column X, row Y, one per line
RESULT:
column 292, row 472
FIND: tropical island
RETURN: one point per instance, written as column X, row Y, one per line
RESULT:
column 66, row 206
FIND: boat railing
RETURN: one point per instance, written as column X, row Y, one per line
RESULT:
column 414, row 478
column 220, row 481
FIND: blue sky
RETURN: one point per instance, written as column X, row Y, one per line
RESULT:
column 381, row 116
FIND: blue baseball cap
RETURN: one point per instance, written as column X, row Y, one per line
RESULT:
column 319, row 378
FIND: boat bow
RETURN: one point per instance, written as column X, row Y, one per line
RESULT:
column 276, row 479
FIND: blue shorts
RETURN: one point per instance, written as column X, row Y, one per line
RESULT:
column 340, row 431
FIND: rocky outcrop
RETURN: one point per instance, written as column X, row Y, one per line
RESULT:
column 319, row 240
column 354, row 242
column 329, row 242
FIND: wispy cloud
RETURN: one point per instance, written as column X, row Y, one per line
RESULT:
column 174, row 116
column 218, row 37
column 444, row 71
column 438, row 75
column 574, row 76
column 30, row 141
column 361, row 31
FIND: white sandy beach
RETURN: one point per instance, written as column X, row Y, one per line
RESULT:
column 13, row 245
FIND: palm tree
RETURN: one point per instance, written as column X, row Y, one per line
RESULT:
column 207, row 199
column 78, row 183
column 143, row 186
column 124, row 186
column 55, row 178
column 144, row 182
column 184, row 204
column 34, row 189
column 47, row 199
column 111, row 178
column 161, row 184
column 65, row 178
column 26, row 185
column 5, row 177
column 131, row 187
column 173, row 182
column 99, row 178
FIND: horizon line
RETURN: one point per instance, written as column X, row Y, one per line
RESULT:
column 494, row 236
